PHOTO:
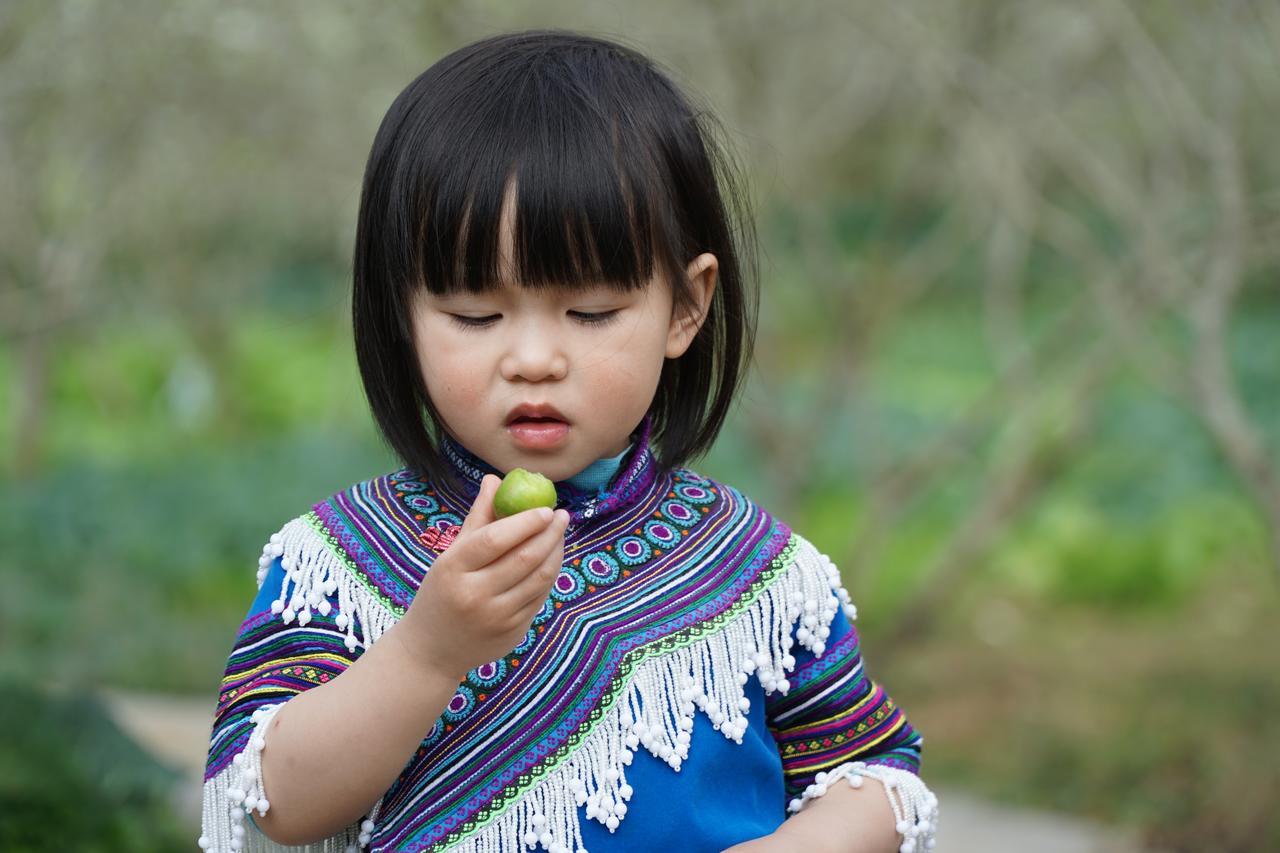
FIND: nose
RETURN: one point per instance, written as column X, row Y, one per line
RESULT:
column 534, row 354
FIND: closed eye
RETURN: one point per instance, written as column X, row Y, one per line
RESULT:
column 473, row 322
column 595, row 319
column 581, row 316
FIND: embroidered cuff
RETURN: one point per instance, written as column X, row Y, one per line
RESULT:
column 915, row 808
column 237, row 791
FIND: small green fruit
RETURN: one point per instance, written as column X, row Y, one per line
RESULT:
column 521, row 490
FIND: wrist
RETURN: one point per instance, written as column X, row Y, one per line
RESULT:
column 418, row 658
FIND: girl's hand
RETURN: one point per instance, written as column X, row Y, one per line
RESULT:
column 480, row 596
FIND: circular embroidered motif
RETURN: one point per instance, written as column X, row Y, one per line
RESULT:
column 526, row 643
column 547, row 611
column 568, row 585
column 460, row 705
column 694, row 494
column 661, row 534
column 600, row 568
column 422, row 503
column 632, row 550
column 680, row 513
column 688, row 475
column 489, row 674
column 444, row 519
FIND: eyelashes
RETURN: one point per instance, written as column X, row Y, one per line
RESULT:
column 595, row 319
column 474, row 323
column 471, row 322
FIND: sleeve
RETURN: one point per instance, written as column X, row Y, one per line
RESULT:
column 834, row 722
column 283, row 647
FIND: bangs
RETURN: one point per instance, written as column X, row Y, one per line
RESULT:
column 584, row 210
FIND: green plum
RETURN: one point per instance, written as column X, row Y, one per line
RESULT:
column 521, row 490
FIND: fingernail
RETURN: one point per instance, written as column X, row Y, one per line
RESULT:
column 563, row 515
column 544, row 514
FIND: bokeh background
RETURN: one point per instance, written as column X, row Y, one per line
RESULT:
column 1018, row 370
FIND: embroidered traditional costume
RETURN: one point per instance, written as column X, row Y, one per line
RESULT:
column 693, row 677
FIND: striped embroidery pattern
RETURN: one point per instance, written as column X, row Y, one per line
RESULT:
column 601, row 685
column 271, row 663
column 573, row 670
column 834, row 714
column 657, row 562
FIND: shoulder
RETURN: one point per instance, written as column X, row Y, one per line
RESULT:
column 806, row 557
column 349, row 564
column 400, row 489
column 692, row 486
column 808, row 600
column 740, row 515
column 321, row 525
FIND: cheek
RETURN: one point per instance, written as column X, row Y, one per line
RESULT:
column 631, row 368
column 455, row 381
column 449, row 371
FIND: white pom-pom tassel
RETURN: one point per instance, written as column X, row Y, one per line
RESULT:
column 915, row 807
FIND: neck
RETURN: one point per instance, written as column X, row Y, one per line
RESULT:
column 598, row 474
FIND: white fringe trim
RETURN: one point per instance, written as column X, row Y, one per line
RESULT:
column 237, row 790
column 655, row 711
column 317, row 573
column 915, row 809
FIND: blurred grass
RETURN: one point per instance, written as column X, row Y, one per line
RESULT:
column 1162, row 718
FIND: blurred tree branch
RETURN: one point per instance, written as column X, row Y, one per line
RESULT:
column 168, row 183
column 1127, row 319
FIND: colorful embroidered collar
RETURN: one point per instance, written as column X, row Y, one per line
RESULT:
column 672, row 584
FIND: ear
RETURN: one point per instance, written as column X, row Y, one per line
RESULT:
column 702, row 274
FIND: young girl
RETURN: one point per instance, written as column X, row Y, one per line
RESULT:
column 547, row 277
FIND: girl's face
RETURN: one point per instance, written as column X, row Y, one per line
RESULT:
column 594, row 356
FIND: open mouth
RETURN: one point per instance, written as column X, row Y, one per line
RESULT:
column 538, row 433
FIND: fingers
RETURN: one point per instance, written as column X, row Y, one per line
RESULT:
column 535, row 562
column 528, row 595
column 481, row 512
column 488, row 544
column 532, row 591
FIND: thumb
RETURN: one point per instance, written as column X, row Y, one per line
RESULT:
column 481, row 512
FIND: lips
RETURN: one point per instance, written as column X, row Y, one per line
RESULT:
column 535, row 413
column 537, row 432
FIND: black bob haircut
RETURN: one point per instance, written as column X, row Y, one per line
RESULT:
column 614, row 172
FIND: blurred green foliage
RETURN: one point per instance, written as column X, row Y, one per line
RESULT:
column 71, row 780
column 960, row 204
column 131, row 560
column 164, row 523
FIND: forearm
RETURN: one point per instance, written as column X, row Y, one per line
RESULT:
column 844, row 820
column 312, row 796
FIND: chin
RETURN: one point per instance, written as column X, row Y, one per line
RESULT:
column 555, row 467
